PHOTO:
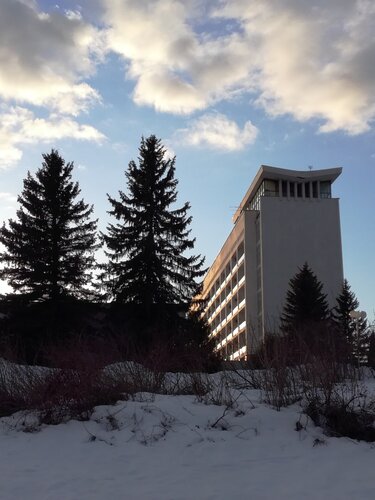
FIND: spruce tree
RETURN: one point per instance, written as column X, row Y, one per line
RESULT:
column 352, row 333
column 306, row 303
column 371, row 346
column 49, row 247
column 360, row 342
column 147, row 245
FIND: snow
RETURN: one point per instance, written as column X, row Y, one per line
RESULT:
column 168, row 448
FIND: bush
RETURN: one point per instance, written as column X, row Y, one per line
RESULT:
column 86, row 374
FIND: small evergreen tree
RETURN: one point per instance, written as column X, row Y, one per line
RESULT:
column 306, row 303
column 360, row 342
column 49, row 247
column 147, row 247
column 346, row 302
column 371, row 346
column 353, row 332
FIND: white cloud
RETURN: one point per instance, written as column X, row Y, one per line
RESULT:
column 7, row 197
column 8, row 201
column 315, row 59
column 175, row 70
column 216, row 131
column 19, row 126
column 169, row 151
column 44, row 58
column 311, row 60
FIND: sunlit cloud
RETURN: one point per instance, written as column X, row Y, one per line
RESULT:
column 45, row 58
column 308, row 60
column 19, row 126
column 7, row 197
column 305, row 59
column 216, row 131
column 315, row 61
column 8, row 202
column 174, row 69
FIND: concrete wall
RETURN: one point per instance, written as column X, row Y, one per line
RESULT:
column 231, row 243
column 295, row 231
column 251, row 280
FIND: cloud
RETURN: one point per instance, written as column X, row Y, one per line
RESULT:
column 19, row 126
column 8, row 201
column 310, row 60
column 45, row 57
column 174, row 69
column 216, row 131
column 7, row 197
column 317, row 62
column 315, row 59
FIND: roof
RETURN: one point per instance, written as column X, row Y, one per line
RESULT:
column 268, row 172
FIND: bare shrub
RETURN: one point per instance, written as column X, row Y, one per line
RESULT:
column 88, row 373
column 272, row 373
column 129, row 377
column 220, row 392
column 342, row 408
column 18, row 384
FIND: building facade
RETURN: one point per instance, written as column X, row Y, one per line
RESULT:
column 286, row 218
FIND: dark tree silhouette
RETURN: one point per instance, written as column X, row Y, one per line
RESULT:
column 147, row 247
column 352, row 331
column 49, row 247
column 306, row 303
column 371, row 346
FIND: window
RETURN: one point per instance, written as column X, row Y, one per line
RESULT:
column 241, row 294
column 240, row 250
column 291, row 189
column 307, row 189
column 241, row 272
column 299, row 190
column 242, row 339
column 314, row 189
column 284, row 188
column 235, row 345
column 325, row 189
column 271, row 187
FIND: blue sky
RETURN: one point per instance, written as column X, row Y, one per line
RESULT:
column 227, row 85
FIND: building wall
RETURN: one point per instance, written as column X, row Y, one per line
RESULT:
column 224, row 291
column 295, row 231
column 286, row 218
column 252, row 274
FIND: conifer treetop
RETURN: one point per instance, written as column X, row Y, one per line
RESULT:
column 49, row 247
column 305, row 300
column 147, row 247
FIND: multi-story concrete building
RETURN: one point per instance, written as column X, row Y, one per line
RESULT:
column 285, row 219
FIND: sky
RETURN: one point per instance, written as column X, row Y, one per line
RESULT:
column 226, row 85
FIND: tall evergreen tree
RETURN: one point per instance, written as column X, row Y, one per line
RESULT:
column 305, row 301
column 49, row 247
column 147, row 247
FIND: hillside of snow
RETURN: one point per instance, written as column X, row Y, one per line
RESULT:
column 163, row 447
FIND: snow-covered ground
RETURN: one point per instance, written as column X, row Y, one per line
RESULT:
column 179, row 448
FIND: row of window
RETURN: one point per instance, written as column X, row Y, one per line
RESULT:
column 230, row 326
column 236, row 298
column 231, row 264
column 233, row 346
column 270, row 187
